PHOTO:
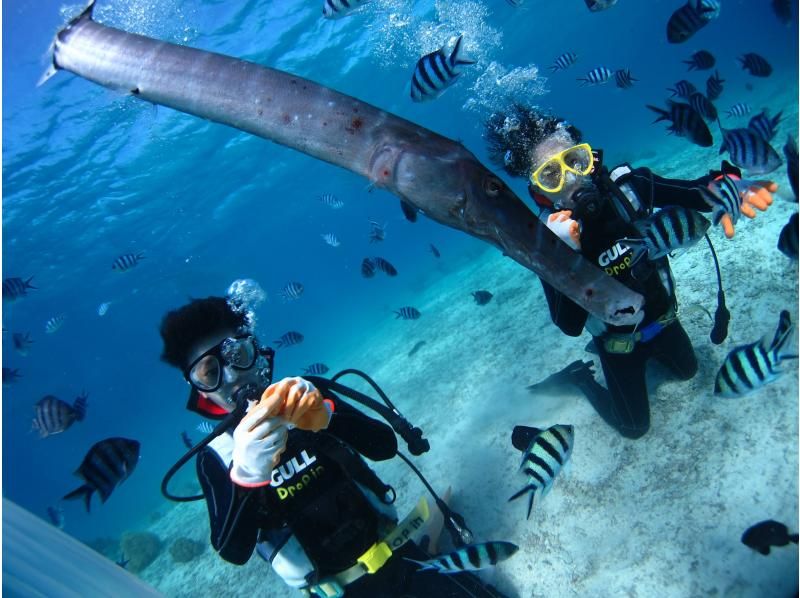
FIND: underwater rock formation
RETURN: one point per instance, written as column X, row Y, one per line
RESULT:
column 140, row 548
column 184, row 550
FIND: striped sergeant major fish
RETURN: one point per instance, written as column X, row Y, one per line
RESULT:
column 54, row 324
column 682, row 89
column 54, row 416
column 702, row 60
column 331, row 239
column 377, row 231
column 407, row 313
column 792, row 162
column 330, row 200
column 598, row 5
column 367, row 268
column 127, row 261
column 11, row 375
column 748, row 150
column 435, row 72
column 316, row 369
column 763, row 125
column 563, row 62
column 14, row 288
column 703, row 106
column 336, row 9
column 106, row 465
column 624, row 79
column 545, row 452
column 288, row 339
column 292, row 291
column 724, row 195
column 714, row 86
column 384, row 266
column 751, row 366
column 739, row 109
column 756, row 64
column 670, row 229
column 469, row 558
column 690, row 18
column 597, row 76
column 686, row 122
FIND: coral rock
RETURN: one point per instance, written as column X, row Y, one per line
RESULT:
column 141, row 548
column 184, row 550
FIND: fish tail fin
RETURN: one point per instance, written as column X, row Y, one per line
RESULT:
column 662, row 114
column 457, row 56
column 140, row 255
column 584, row 81
column 638, row 249
column 80, row 407
column 530, row 504
column 28, row 284
column 553, row 68
column 782, row 334
column 793, row 538
column 776, row 119
column 84, row 491
column 53, row 67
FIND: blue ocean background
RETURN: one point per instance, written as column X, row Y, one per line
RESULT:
column 89, row 174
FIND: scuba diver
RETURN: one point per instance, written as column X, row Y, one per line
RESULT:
column 289, row 479
column 600, row 213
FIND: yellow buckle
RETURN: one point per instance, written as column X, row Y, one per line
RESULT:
column 619, row 345
column 375, row 557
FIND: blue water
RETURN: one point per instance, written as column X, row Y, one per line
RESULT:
column 89, row 175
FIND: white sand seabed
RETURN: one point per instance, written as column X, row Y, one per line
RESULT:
column 660, row 516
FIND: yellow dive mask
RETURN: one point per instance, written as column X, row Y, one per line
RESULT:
column 550, row 176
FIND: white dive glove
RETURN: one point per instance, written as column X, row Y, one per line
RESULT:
column 565, row 228
column 255, row 452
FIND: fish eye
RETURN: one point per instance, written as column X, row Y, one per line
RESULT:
column 492, row 186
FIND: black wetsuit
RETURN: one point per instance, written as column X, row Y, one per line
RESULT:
column 625, row 405
column 314, row 499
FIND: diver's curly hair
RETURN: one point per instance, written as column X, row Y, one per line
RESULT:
column 184, row 327
column 512, row 135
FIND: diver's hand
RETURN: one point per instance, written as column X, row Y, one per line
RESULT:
column 258, row 442
column 753, row 194
column 300, row 404
column 565, row 228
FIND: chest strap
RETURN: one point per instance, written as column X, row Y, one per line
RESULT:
column 625, row 342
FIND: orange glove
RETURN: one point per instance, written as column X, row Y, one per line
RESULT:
column 565, row 228
column 756, row 194
column 298, row 403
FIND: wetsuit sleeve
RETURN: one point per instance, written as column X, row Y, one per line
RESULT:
column 565, row 313
column 231, row 509
column 374, row 439
column 671, row 192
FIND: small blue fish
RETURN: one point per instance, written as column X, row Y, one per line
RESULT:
column 435, row 251
column 22, row 342
column 15, row 288
column 714, row 86
column 127, row 261
column 316, row 369
column 331, row 239
column 331, row 201
column 187, row 442
column 205, row 428
column 289, row 339
column 749, row 151
column 563, row 62
column 757, row 65
column 407, row 313
column 292, row 291
column 437, row 71
column 682, row 89
column 749, row 367
column 690, row 18
column 739, row 109
column 701, row 60
column 102, row 309
column 54, row 324
column 624, row 79
column 469, row 558
column 377, row 231
column 597, row 76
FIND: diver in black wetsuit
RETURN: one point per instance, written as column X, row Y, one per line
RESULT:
column 290, row 480
column 591, row 209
